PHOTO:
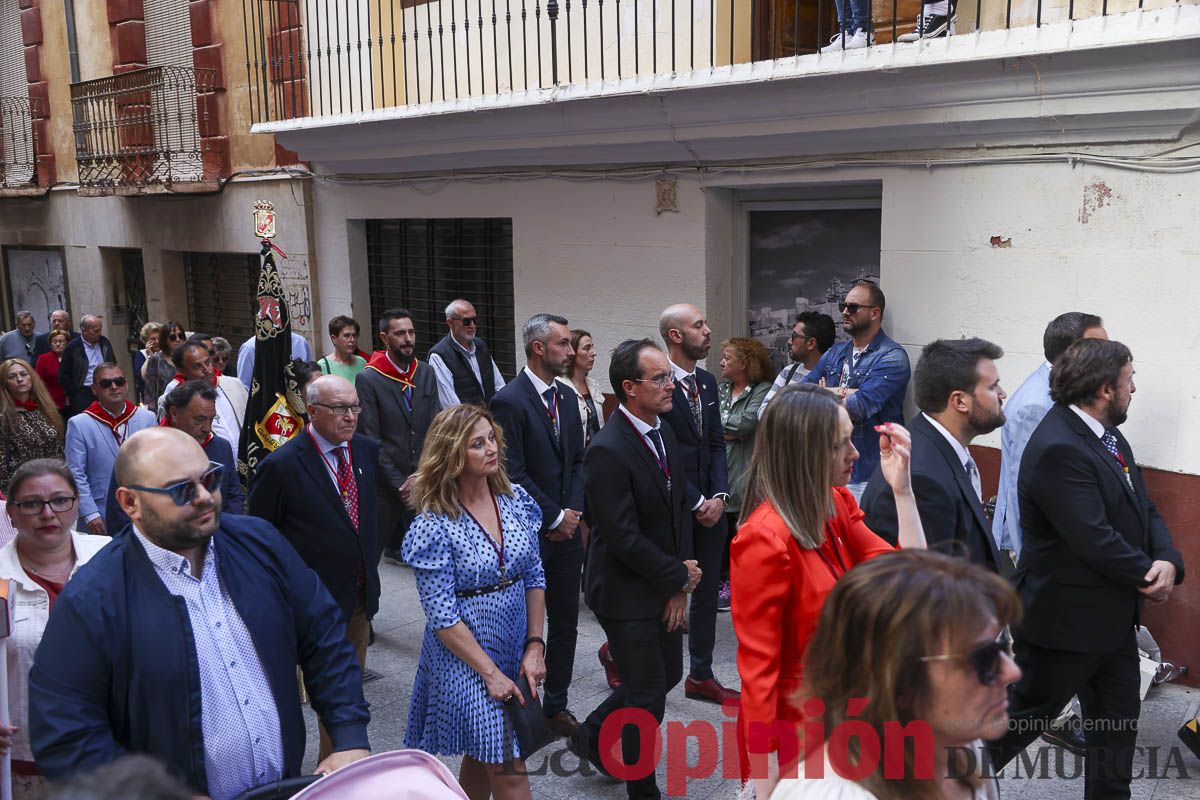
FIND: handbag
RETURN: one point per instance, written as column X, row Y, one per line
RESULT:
column 527, row 722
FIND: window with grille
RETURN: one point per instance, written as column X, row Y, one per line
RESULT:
column 220, row 294
column 423, row 264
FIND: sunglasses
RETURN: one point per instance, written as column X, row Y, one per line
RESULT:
column 468, row 321
column 176, row 337
column 184, row 492
column 108, row 383
column 853, row 308
column 986, row 658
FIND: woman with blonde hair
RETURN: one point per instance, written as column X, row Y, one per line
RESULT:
column 801, row 531
column 30, row 425
column 474, row 550
column 922, row 638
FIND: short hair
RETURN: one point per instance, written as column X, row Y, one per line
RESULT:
column 57, row 334
column 106, row 365
column 1066, row 329
column 199, row 337
column 754, row 353
column 183, row 349
column 342, row 321
column 90, row 319
column 873, row 292
column 819, row 326
column 625, row 364
column 537, row 329
column 149, row 330
column 36, row 469
column 221, row 345
column 24, row 315
column 183, row 394
column 385, row 320
column 1085, row 368
column 450, row 306
column 305, row 371
column 947, row 366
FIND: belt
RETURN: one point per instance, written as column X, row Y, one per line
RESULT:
column 504, row 584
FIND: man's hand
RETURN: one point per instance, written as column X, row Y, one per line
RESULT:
column 710, row 512
column 1162, row 580
column 96, row 527
column 340, row 759
column 406, row 493
column 694, row 574
column 676, row 607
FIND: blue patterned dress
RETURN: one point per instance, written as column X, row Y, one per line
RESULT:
column 451, row 712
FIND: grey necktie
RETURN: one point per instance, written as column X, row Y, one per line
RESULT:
column 973, row 474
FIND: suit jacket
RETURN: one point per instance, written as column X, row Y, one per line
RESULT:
column 641, row 529
column 41, row 343
column 293, row 491
column 72, row 372
column 949, row 508
column 703, row 450
column 550, row 469
column 91, row 452
column 1089, row 538
column 400, row 432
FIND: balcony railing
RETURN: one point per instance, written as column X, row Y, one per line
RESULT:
column 18, row 142
column 313, row 58
column 143, row 131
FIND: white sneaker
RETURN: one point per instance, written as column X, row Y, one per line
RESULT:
column 856, row 41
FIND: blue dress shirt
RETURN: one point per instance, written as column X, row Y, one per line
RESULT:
column 1023, row 412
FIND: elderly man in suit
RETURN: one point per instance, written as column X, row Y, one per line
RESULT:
column 1095, row 548
column 317, row 490
column 543, row 438
column 640, row 567
column 400, row 399
column 79, row 361
column 957, row 388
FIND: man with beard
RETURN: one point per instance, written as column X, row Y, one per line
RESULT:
column 957, row 388
column 182, row 643
column 543, row 438
column 869, row 373
column 811, row 336
column 193, row 359
column 1094, row 548
column 399, row 397
column 465, row 370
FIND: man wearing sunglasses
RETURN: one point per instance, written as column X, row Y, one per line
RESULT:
column 465, row 370
column 183, row 641
column 811, row 336
column 869, row 373
column 94, row 438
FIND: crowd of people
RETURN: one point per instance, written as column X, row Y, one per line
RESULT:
column 856, row 553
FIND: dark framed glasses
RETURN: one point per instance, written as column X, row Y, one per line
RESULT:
column 853, row 308
column 985, row 659
column 108, row 383
column 340, row 410
column 32, row 508
column 184, row 492
column 468, row 321
column 176, row 337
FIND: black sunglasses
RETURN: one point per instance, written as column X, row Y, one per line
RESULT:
column 177, row 337
column 468, row 320
column 184, row 492
column 108, row 383
column 853, row 308
column 986, row 658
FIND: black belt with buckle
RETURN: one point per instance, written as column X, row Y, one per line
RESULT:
column 504, row 584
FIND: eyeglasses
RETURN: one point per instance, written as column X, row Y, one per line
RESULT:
column 108, row 383
column 985, row 658
column 853, row 308
column 340, row 411
column 468, row 321
column 32, row 508
column 176, row 337
column 658, row 380
column 793, row 336
column 184, row 492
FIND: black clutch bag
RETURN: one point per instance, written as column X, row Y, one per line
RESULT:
column 527, row 722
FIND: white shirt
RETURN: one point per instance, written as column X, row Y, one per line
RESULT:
column 445, row 379
column 540, row 387
column 230, row 407
column 964, row 455
column 644, row 429
column 95, row 357
column 328, row 451
column 1096, row 425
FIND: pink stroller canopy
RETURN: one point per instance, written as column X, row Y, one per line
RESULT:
column 413, row 774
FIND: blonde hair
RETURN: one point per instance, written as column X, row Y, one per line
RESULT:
column 444, row 456
column 57, row 334
column 149, row 331
column 792, row 464
column 37, row 392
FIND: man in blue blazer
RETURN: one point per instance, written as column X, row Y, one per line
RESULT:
column 543, row 439
column 318, row 489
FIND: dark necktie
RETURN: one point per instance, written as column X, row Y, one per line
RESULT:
column 1109, row 440
column 347, row 487
column 552, row 410
column 689, row 386
column 656, row 439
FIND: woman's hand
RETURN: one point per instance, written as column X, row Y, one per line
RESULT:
column 895, row 450
column 500, row 688
column 533, row 667
column 6, row 734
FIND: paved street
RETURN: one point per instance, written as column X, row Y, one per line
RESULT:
column 394, row 656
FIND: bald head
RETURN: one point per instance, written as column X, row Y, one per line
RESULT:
column 462, row 321
column 155, row 451
column 319, row 390
column 333, row 408
column 90, row 327
column 686, row 333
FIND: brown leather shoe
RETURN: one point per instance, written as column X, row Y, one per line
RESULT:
column 710, row 691
column 563, row 724
column 610, row 667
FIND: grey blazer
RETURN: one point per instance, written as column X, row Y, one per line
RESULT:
column 385, row 417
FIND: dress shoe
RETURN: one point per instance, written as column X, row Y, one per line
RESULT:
column 580, row 746
column 709, row 690
column 1068, row 736
column 563, row 724
column 1189, row 734
column 610, row 667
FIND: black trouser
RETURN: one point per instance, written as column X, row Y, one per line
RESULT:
column 1108, row 689
column 707, row 546
column 650, row 660
column 394, row 519
column 731, row 520
column 563, row 564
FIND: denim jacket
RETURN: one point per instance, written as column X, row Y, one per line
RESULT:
column 881, row 378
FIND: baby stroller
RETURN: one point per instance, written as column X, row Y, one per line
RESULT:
column 412, row 774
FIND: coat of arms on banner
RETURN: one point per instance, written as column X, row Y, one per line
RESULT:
column 279, row 424
column 264, row 220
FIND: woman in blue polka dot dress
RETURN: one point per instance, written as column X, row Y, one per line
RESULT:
column 474, row 551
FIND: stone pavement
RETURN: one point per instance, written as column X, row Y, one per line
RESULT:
column 1170, row 770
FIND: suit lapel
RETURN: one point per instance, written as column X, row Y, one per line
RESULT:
column 643, row 450
column 682, row 406
column 922, row 427
column 539, row 409
column 1098, row 448
column 314, row 464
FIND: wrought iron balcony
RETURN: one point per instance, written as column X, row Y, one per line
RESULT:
column 18, row 144
column 142, row 132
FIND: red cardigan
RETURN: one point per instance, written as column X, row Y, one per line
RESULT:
column 47, row 369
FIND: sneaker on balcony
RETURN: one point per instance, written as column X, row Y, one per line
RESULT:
column 852, row 41
column 929, row 26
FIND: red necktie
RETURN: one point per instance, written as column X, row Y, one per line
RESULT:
column 347, row 486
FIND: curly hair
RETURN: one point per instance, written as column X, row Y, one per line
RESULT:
column 751, row 351
column 444, row 456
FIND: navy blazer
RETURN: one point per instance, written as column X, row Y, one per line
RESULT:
column 292, row 489
column 550, row 470
column 117, row 671
column 72, row 372
column 701, row 451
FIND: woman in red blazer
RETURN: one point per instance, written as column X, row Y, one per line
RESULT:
column 796, row 539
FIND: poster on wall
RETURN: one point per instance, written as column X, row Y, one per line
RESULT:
column 805, row 260
column 36, row 283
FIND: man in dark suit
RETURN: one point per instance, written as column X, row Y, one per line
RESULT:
column 543, row 438
column 79, row 359
column 957, row 388
column 1094, row 547
column 639, row 568
column 695, row 419
column 317, row 489
column 399, row 398
column 60, row 320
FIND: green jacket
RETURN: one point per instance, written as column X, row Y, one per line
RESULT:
column 740, row 419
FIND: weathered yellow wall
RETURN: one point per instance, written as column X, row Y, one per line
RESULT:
column 56, row 71
column 92, row 33
column 246, row 150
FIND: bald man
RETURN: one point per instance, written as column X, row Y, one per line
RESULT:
column 465, row 370
column 79, row 361
column 183, row 641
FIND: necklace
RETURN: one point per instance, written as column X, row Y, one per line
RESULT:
column 54, row 575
